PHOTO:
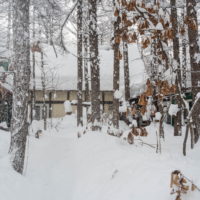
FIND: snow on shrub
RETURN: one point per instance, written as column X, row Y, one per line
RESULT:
column 158, row 116
column 118, row 94
column 68, row 107
column 173, row 109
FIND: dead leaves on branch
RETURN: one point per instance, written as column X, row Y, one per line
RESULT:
column 145, row 43
column 142, row 132
column 147, row 18
column 158, row 89
column 191, row 23
column 181, row 185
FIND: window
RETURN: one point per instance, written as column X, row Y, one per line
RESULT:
column 39, row 111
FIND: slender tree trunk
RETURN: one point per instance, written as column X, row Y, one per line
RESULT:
column 33, row 99
column 86, row 49
column 193, row 45
column 126, row 71
column 43, row 78
column 194, row 60
column 21, row 63
column 9, row 23
column 79, row 64
column 86, row 54
column 94, row 63
column 178, row 117
column 86, row 72
column 184, row 54
column 116, row 75
column 185, row 139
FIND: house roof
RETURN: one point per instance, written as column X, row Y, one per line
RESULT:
column 61, row 71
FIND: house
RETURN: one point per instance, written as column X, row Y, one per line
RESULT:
column 56, row 80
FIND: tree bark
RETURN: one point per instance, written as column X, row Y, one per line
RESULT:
column 9, row 24
column 33, row 96
column 43, row 78
column 126, row 72
column 86, row 50
column 194, row 60
column 86, row 72
column 116, row 75
column 21, row 63
column 79, row 64
column 94, row 65
column 178, row 117
column 184, row 54
column 193, row 46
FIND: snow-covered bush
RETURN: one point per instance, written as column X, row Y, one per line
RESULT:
column 173, row 109
column 68, row 107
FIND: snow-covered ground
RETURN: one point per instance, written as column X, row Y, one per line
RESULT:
column 59, row 166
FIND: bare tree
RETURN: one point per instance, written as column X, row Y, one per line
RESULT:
column 79, row 64
column 43, row 79
column 21, row 63
column 177, row 121
column 126, row 71
column 116, row 62
column 86, row 54
column 194, row 50
column 94, row 64
column 33, row 95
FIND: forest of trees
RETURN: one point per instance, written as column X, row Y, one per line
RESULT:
column 166, row 32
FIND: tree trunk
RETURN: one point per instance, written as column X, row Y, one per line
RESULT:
column 184, row 54
column 86, row 72
column 126, row 72
column 33, row 96
column 86, row 54
column 178, row 117
column 185, row 139
column 21, row 63
column 94, row 63
column 86, row 49
column 194, row 60
column 79, row 64
column 9, row 24
column 193, row 45
column 116, row 75
column 43, row 78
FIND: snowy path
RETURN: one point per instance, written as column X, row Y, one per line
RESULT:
column 49, row 165
column 98, row 167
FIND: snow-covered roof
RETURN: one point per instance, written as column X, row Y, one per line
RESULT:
column 61, row 71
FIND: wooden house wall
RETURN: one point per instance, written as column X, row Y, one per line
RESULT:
column 55, row 101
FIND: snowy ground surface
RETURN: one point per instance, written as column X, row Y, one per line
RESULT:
column 59, row 166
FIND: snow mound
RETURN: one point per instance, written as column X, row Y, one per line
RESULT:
column 173, row 109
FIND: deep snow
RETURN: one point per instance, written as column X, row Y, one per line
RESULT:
column 59, row 166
